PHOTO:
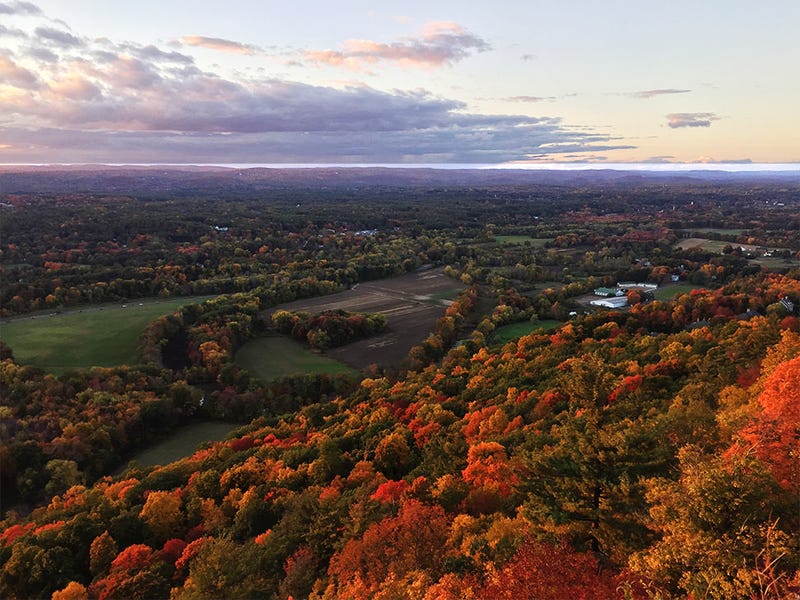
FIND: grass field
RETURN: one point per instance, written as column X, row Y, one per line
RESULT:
column 669, row 291
column 267, row 358
column 183, row 442
column 732, row 231
column 506, row 333
column 521, row 239
column 97, row 336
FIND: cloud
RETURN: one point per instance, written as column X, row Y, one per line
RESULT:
column 441, row 43
column 12, row 32
column 528, row 57
column 13, row 75
column 42, row 54
column 702, row 119
column 19, row 8
column 529, row 98
column 57, row 37
column 79, row 99
column 219, row 44
column 647, row 94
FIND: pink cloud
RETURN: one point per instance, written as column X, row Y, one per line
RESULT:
column 219, row 44
column 75, row 87
column 441, row 42
column 12, row 74
column 678, row 120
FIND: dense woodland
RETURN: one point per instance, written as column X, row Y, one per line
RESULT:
column 650, row 452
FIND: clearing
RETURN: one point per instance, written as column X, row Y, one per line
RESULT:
column 268, row 358
column 506, row 333
column 411, row 304
column 181, row 443
column 94, row 336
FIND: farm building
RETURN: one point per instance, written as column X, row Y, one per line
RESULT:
column 614, row 302
column 605, row 292
column 626, row 285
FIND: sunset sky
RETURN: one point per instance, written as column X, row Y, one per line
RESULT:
column 195, row 81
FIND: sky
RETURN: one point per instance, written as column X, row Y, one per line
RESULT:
column 521, row 82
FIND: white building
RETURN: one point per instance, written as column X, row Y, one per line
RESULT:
column 615, row 302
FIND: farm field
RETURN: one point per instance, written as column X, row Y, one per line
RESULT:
column 268, row 358
column 506, row 333
column 96, row 336
column 182, row 443
column 705, row 244
column 411, row 304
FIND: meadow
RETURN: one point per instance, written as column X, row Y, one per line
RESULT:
column 97, row 336
column 268, row 358
column 181, row 443
column 506, row 333
column 521, row 239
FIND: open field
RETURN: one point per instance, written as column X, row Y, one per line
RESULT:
column 183, row 442
column 506, row 333
column 670, row 290
column 96, row 336
column 411, row 304
column 702, row 230
column 705, row 244
column 521, row 239
column 268, row 358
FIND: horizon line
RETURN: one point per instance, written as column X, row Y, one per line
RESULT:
column 507, row 166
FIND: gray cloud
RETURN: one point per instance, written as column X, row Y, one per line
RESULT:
column 702, row 119
column 58, row 37
column 647, row 94
column 122, row 102
column 42, row 54
column 19, row 8
column 12, row 32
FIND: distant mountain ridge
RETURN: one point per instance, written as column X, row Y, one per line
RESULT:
column 182, row 180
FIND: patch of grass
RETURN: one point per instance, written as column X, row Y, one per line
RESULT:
column 521, row 239
column 95, row 336
column 183, row 442
column 268, row 358
column 445, row 295
column 506, row 333
column 732, row 231
column 670, row 291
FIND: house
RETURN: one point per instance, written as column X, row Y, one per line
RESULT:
column 788, row 304
column 614, row 302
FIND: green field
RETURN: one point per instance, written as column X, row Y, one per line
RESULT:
column 96, row 336
column 183, row 442
column 732, row 231
column 445, row 295
column 521, row 239
column 506, row 333
column 670, row 290
column 268, row 358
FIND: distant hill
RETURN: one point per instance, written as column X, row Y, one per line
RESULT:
column 190, row 180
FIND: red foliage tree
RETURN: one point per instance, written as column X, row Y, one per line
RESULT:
column 775, row 436
column 548, row 572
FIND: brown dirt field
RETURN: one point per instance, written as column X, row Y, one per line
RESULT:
column 406, row 303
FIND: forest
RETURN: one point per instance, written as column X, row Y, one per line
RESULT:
column 650, row 451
